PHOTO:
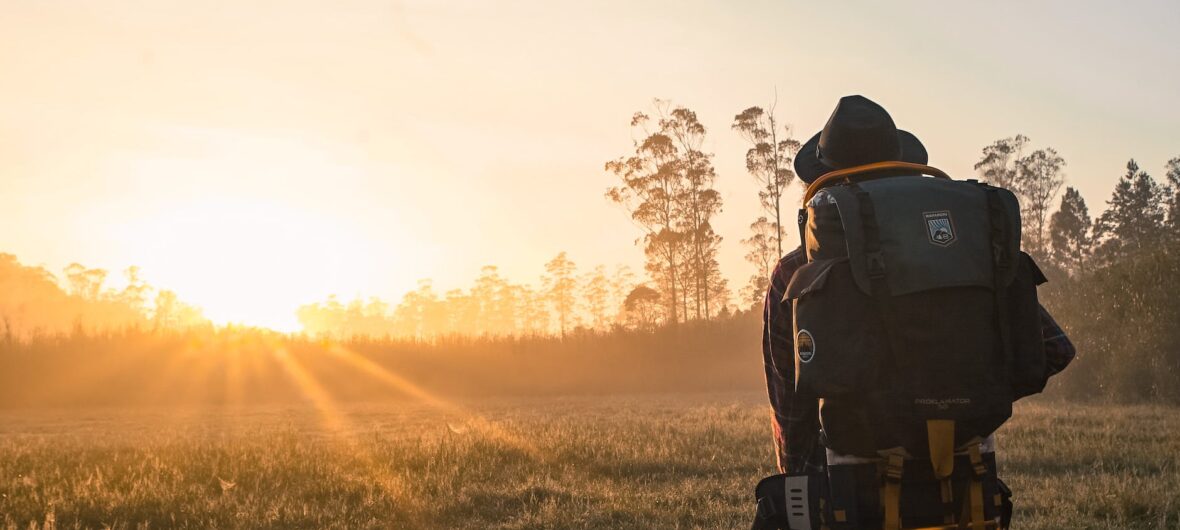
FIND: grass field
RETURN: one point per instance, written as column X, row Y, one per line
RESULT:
column 617, row 462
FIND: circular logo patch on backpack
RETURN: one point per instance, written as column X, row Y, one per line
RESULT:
column 805, row 346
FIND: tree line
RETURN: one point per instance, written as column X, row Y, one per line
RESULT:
column 564, row 300
column 34, row 301
column 1113, row 286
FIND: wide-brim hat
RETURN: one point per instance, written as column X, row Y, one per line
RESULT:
column 858, row 132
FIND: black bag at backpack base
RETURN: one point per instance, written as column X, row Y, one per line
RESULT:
column 856, row 494
column 853, row 493
column 790, row 502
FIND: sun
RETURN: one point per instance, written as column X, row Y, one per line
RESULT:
column 249, row 261
column 251, row 225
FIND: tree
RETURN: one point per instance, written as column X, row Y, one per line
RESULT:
column 621, row 284
column 172, row 313
column 596, row 293
column 699, row 203
column 496, row 302
column 998, row 164
column 420, row 315
column 462, row 313
column 768, row 160
column 667, row 187
column 762, row 255
column 33, row 300
column 641, row 308
column 533, row 313
column 561, row 288
column 84, row 282
column 650, row 189
column 137, row 291
column 1134, row 217
column 1035, row 179
column 717, row 288
column 1037, row 182
column 1173, row 173
column 1069, row 233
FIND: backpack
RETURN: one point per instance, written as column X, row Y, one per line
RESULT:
column 916, row 325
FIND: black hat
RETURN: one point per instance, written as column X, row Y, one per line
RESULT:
column 859, row 132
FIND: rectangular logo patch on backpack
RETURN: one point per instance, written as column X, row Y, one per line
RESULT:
column 940, row 228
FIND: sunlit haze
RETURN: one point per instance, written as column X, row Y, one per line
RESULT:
column 255, row 156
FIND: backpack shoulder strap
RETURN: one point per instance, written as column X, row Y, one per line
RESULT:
column 1004, row 262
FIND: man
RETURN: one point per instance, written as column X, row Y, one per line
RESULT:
column 859, row 132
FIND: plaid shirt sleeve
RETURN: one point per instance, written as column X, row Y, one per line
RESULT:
column 796, row 417
column 795, row 420
column 1059, row 351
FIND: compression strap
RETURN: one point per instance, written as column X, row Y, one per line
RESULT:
column 974, row 504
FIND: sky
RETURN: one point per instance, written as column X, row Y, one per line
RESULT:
column 258, row 155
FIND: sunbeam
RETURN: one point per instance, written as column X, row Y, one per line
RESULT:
column 336, row 421
column 485, row 427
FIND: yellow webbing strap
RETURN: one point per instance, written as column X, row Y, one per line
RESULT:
column 893, row 469
column 941, row 435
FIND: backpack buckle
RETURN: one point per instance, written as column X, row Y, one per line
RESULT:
column 894, row 464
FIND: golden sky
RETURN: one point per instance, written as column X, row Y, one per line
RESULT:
column 256, row 155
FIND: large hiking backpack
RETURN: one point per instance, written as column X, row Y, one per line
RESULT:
column 916, row 326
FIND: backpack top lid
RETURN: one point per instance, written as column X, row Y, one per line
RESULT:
column 933, row 233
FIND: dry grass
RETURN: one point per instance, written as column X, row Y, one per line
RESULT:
column 640, row 462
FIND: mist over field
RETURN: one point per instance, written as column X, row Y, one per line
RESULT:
column 75, row 341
